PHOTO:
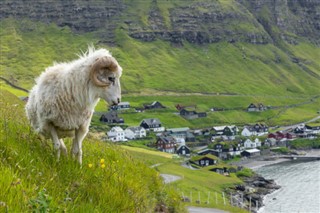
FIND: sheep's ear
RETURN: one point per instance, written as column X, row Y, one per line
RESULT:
column 102, row 69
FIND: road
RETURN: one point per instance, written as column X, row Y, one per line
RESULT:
column 284, row 128
column 170, row 178
column 193, row 209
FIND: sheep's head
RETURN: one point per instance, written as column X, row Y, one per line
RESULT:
column 105, row 74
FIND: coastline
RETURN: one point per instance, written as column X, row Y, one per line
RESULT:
column 266, row 160
column 262, row 186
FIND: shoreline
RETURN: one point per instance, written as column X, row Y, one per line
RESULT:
column 268, row 160
column 256, row 163
column 274, row 194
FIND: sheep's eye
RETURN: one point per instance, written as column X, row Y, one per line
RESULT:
column 112, row 79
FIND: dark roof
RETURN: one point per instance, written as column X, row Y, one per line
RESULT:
column 151, row 121
column 183, row 146
column 166, row 139
column 199, row 157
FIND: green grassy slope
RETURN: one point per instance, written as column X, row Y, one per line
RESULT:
column 238, row 68
column 32, row 180
column 209, row 185
column 285, row 113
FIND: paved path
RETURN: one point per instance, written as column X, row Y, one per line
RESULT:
column 170, row 178
column 193, row 209
column 299, row 124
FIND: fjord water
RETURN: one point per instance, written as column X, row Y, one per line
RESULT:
column 300, row 187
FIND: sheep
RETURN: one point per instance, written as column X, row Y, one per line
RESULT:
column 62, row 101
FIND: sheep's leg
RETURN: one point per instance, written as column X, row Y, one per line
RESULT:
column 77, row 142
column 63, row 148
column 56, row 141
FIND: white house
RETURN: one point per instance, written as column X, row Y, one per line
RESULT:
column 135, row 132
column 247, row 132
column 257, row 142
column 121, row 106
column 248, row 144
column 116, row 134
column 256, row 130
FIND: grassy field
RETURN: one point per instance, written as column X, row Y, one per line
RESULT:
column 193, row 182
column 289, row 110
column 110, row 180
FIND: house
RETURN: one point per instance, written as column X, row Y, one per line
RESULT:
column 270, row 142
column 208, row 151
column 299, row 129
column 306, row 131
column 255, row 130
column 251, row 153
column 205, row 160
column 313, row 129
column 166, row 144
column 278, row 135
column 225, row 130
column 248, row 144
column 283, row 136
column 256, row 107
column 154, row 105
column 183, row 150
column 178, row 132
column 111, row 117
column 121, row 106
column 192, row 114
column 116, row 134
column 227, row 150
column 190, row 137
column 188, row 114
column 152, row 124
column 135, row 132
column 257, row 142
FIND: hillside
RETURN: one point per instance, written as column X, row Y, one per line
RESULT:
column 110, row 180
column 217, row 47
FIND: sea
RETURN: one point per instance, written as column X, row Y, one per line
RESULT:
column 300, row 187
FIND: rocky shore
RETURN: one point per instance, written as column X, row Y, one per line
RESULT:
column 250, row 194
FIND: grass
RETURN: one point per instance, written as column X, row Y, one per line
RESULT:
column 305, row 144
column 32, row 180
column 290, row 110
column 193, row 182
column 112, row 179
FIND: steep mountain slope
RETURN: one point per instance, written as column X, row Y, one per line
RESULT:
column 226, row 46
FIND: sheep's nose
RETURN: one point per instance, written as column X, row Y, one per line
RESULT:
column 118, row 100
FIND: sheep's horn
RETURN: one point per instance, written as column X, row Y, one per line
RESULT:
column 105, row 63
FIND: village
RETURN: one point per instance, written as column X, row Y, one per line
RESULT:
column 204, row 147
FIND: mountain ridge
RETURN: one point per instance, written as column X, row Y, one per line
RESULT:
column 234, row 46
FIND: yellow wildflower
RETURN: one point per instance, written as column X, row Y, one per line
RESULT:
column 103, row 165
column 90, row 165
column 102, row 161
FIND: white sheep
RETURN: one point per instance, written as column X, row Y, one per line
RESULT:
column 62, row 102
